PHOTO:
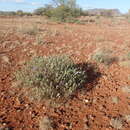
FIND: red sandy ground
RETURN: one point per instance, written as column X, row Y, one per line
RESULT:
column 89, row 109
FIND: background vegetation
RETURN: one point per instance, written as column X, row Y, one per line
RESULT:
column 64, row 11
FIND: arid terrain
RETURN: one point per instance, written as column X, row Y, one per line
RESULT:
column 102, row 104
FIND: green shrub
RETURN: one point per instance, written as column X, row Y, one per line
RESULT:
column 52, row 77
column 39, row 11
column 60, row 13
column 47, row 11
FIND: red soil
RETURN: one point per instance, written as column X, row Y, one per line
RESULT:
column 90, row 109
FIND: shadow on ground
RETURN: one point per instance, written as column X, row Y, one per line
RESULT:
column 93, row 75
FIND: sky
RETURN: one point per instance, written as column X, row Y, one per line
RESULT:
column 30, row 5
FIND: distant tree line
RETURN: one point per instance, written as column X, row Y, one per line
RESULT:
column 103, row 12
column 127, row 15
column 63, row 10
column 15, row 13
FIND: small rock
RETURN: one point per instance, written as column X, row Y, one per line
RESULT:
column 115, row 100
column 94, row 100
column 86, row 101
column 100, row 107
column 127, row 118
column 128, row 97
column 3, row 126
column 21, row 62
column 45, row 124
column 24, row 50
column 33, row 53
column 128, row 77
column 91, row 117
column 5, row 59
column 35, row 43
column 126, row 89
column 86, row 127
column 16, row 84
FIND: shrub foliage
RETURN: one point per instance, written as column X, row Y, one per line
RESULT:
column 61, row 13
column 104, row 56
column 52, row 77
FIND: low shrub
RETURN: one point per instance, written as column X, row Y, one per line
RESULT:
column 104, row 56
column 39, row 40
column 125, row 64
column 27, row 29
column 45, row 124
column 52, row 77
column 128, row 55
column 116, row 123
column 75, row 21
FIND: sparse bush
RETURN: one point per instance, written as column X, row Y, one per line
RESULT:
column 46, row 124
column 39, row 40
column 15, row 13
column 7, row 13
column 102, row 12
column 52, row 77
column 128, row 55
column 125, row 64
column 47, row 11
column 27, row 29
column 75, row 21
column 39, row 11
column 63, row 13
column 60, row 13
column 116, row 123
column 20, row 13
column 104, row 56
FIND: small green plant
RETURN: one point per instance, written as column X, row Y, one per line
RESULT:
column 39, row 40
column 52, row 77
